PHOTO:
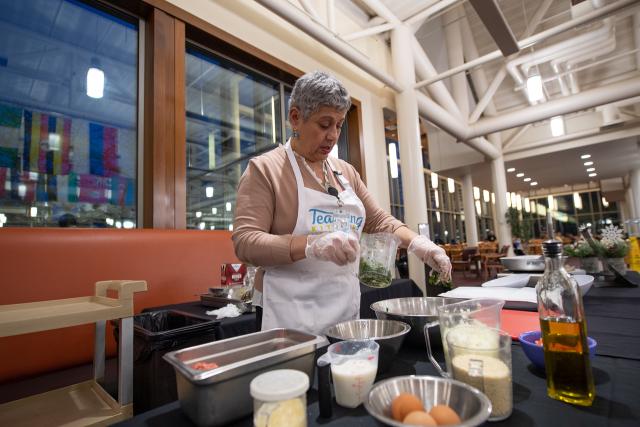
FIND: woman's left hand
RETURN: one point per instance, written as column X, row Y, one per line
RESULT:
column 432, row 255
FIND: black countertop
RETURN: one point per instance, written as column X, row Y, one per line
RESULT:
column 613, row 316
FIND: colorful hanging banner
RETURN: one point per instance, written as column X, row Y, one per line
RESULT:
column 5, row 173
column 46, row 143
column 103, row 150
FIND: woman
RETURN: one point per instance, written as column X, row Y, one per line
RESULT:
column 294, row 206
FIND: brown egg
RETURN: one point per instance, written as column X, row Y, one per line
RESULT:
column 444, row 415
column 403, row 404
column 419, row 418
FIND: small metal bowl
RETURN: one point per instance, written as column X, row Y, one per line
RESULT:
column 472, row 406
column 389, row 334
column 416, row 312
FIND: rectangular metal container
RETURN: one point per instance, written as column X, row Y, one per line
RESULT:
column 217, row 396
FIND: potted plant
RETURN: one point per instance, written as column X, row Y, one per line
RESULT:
column 585, row 253
column 614, row 248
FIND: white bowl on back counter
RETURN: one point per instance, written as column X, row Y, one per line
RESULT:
column 584, row 281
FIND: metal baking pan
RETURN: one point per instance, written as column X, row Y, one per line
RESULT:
column 217, row 396
column 523, row 263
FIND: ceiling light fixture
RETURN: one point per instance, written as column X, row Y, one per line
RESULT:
column 534, row 87
column 452, row 185
column 593, row 174
column 534, row 183
column 393, row 160
column 585, row 156
column 577, row 200
column 520, row 175
column 511, row 170
column 588, row 163
column 591, row 169
column 95, row 80
column 557, row 126
column 527, row 179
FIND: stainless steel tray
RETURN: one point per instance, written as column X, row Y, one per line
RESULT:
column 217, row 396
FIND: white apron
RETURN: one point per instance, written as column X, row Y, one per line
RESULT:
column 310, row 295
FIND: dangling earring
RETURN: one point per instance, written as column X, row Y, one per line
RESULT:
column 295, row 134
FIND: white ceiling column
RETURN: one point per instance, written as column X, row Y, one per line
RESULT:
column 634, row 177
column 499, row 183
column 453, row 36
column 468, row 206
column 628, row 196
column 498, row 176
column 413, row 188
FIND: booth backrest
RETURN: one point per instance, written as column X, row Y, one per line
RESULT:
column 39, row 264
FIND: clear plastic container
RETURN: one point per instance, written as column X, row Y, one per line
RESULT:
column 280, row 398
column 377, row 259
column 487, row 368
column 469, row 318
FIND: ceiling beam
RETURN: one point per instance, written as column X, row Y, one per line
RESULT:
column 536, row 38
column 577, row 139
column 495, row 22
column 319, row 32
column 582, row 101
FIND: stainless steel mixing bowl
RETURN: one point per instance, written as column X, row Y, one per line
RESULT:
column 416, row 312
column 471, row 405
column 523, row 263
column 389, row 334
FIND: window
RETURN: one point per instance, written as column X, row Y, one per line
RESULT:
column 68, row 115
column 233, row 114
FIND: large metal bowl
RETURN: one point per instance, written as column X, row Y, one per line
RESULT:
column 389, row 334
column 472, row 406
column 416, row 312
column 523, row 263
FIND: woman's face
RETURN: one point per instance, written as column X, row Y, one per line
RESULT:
column 319, row 133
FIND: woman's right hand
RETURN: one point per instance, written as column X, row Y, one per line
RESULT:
column 338, row 247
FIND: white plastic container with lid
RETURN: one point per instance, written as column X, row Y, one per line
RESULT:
column 280, row 398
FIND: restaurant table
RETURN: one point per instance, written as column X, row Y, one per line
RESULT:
column 614, row 321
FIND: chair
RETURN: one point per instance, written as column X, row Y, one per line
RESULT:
column 465, row 262
column 491, row 262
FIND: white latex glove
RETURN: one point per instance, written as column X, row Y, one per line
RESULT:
column 338, row 247
column 432, row 255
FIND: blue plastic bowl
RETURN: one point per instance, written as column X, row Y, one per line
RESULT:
column 535, row 353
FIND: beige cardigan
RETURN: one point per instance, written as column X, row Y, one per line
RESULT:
column 267, row 208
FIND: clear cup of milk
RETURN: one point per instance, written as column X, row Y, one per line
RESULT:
column 354, row 365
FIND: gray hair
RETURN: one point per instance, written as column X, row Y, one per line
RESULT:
column 318, row 89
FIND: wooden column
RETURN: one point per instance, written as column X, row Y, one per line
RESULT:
column 164, row 134
column 354, row 138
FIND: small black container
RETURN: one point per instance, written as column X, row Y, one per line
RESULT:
column 154, row 334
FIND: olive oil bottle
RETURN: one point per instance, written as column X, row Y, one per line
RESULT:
column 564, row 332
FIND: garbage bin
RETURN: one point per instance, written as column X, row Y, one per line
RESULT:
column 156, row 333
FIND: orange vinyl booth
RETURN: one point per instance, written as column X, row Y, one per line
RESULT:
column 39, row 264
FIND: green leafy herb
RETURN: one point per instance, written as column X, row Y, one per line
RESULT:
column 434, row 280
column 374, row 274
